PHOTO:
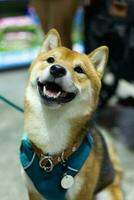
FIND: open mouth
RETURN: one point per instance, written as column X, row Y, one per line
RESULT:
column 51, row 92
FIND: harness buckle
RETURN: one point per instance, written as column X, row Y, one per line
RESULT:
column 46, row 163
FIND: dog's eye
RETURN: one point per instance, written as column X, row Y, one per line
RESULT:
column 50, row 60
column 78, row 69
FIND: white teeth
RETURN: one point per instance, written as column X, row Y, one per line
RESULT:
column 50, row 94
column 44, row 90
column 58, row 94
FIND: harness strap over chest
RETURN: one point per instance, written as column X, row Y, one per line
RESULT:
column 49, row 184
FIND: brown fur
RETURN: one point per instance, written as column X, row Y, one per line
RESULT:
column 34, row 196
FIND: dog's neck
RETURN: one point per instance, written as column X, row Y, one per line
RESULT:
column 56, row 131
column 53, row 131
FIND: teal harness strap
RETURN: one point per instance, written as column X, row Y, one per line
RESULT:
column 10, row 103
column 49, row 184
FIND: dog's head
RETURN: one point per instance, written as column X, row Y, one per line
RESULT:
column 60, row 76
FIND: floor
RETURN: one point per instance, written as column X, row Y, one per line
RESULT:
column 12, row 84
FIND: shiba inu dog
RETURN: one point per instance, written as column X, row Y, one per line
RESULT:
column 61, row 156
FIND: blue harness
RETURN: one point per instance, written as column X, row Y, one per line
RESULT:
column 49, row 184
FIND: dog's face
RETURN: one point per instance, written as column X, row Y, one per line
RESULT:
column 60, row 76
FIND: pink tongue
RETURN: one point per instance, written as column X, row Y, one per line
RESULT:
column 49, row 93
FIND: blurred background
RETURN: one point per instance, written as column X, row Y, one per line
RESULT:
column 83, row 26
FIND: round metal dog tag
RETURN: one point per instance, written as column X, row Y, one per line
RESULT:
column 67, row 181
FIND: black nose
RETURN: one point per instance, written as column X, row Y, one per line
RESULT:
column 57, row 71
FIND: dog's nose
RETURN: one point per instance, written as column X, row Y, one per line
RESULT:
column 57, row 71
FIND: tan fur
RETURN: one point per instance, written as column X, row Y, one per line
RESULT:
column 33, row 196
column 114, row 189
column 41, row 122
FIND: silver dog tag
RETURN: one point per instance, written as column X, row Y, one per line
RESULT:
column 67, row 181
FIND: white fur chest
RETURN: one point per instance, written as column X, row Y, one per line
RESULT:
column 47, row 130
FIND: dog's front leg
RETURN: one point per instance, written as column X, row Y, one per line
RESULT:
column 80, row 190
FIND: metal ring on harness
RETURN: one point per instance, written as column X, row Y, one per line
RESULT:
column 48, row 166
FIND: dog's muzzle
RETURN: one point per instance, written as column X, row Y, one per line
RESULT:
column 51, row 89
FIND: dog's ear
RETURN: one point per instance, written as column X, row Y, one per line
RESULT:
column 52, row 40
column 99, row 58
